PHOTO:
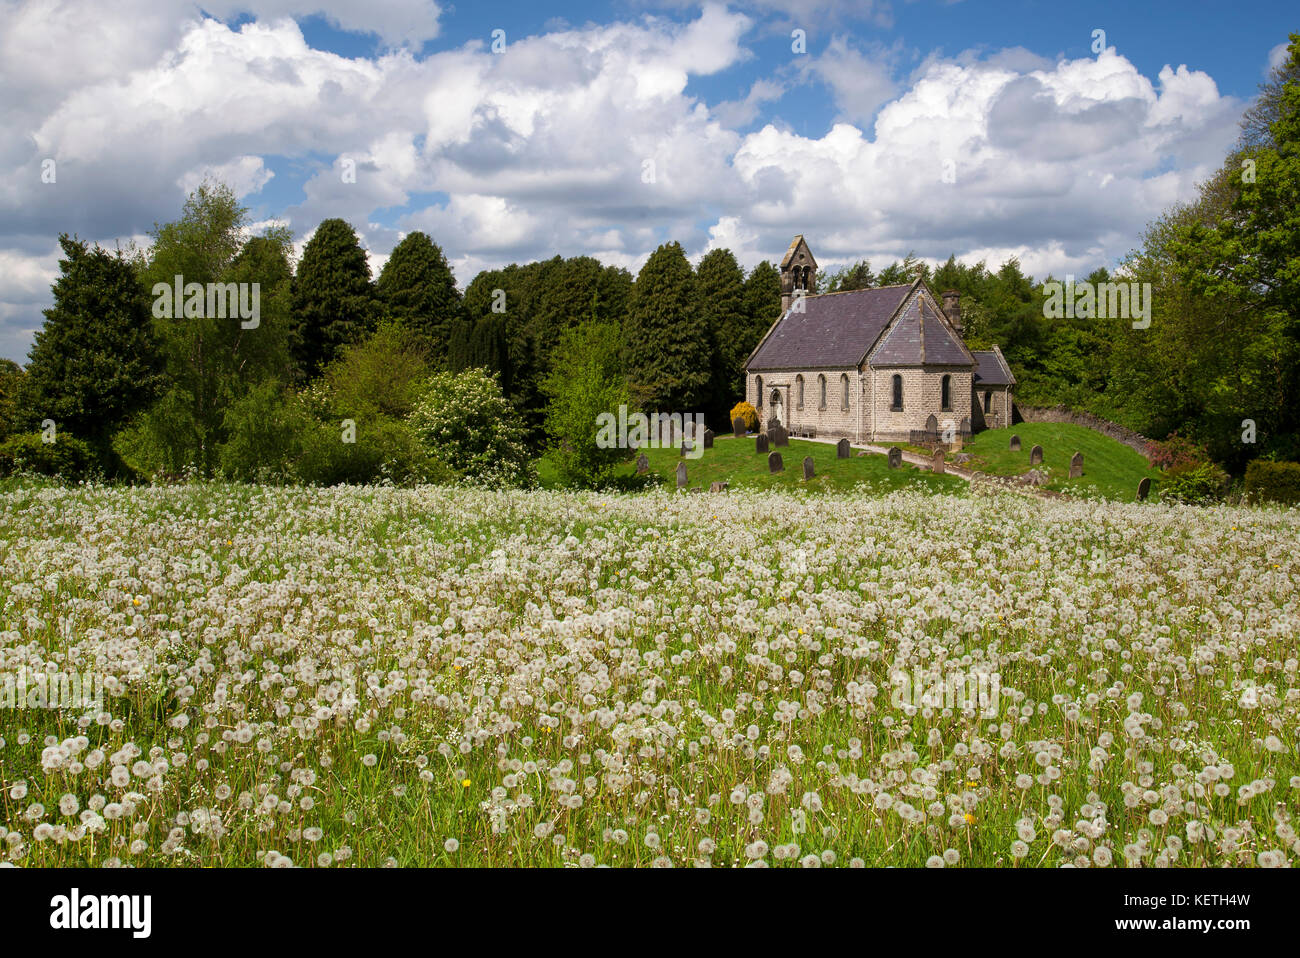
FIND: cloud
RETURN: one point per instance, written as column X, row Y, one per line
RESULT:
column 590, row 139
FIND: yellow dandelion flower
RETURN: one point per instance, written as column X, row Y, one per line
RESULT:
column 465, row 783
column 970, row 819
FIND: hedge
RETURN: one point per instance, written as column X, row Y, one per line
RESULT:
column 1268, row 481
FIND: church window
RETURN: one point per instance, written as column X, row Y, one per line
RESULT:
column 798, row 393
column 759, row 382
column 821, row 386
column 988, row 398
column 898, row 393
column 946, row 390
column 844, row 388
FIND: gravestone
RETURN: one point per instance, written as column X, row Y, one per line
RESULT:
column 1076, row 465
column 842, row 449
column 717, row 487
column 931, row 426
column 681, row 475
column 808, row 471
column 687, row 446
column 774, row 463
column 1015, row 443
column 1144, row 489
column 1036, row 456
column 738, row 427
column 708, row 439
column 895, row 457
column 936, row 462
column 642, row 464
column 760, row 442
column 779, row 435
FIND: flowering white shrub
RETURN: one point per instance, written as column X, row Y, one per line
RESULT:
column 326, row 677
column 467, row 422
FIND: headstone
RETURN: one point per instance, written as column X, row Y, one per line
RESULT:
column 1036, row 456
column 932, row 425
column 642, row 464
column 687, row 446
column 936, row 462
column 1076, row 465
column 1015, row 443
column 760, row 442
column 842, row 449
column 708, row 439
column 779, row 436
column 1035, row 477
column 808, row 471
column 681, row 475
column 774, row 463
column 717, row 487
column 895, row 457
column 738, row 427
column 1144, row 489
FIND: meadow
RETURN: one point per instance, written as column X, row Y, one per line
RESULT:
column 331, row 677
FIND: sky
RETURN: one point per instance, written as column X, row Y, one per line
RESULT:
column 514, row 131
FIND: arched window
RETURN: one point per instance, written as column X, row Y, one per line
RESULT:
column 946, row 391
column 798, row 392
column 821, row 391
column 844, row 388
column 758, row 381
column 988, row 396
column 898, row 393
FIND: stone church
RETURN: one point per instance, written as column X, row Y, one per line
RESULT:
column 886, row 364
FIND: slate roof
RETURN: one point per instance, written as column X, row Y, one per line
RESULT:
column 920, row 338
column 991, row 369
column 835, row 329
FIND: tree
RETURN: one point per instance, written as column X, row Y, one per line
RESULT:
column 667, row 346
column 95, row 362
column 333, row 300
column 418, row 291
column 857, row 276
column 762, row 303
column 720, row 290
column 212, row 358
column 586, row 382
column 11, row 378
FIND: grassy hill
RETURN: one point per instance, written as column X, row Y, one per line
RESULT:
column 735, row 461
column 1111, row 470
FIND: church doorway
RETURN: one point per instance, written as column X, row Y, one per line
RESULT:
column 776, row 407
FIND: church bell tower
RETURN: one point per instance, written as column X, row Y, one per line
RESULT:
column 798, row 273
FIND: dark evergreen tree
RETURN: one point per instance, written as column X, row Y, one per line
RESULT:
column 333, row 300
column 667, row 344
column 720, row 292
column 418, row 291
column 96, row 360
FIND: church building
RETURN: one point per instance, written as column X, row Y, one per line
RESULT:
column 886, row 364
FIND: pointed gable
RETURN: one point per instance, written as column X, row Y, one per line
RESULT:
column 919, row 337
column 798, row 253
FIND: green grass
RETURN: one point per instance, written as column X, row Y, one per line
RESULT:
column 1111, row 470
column 734, row 461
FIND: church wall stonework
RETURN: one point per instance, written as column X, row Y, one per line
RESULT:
column 833, row 421
column 922, row 397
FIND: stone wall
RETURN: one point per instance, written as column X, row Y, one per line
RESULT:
column 1128, row 437
column 922, row 394
column 809, row 418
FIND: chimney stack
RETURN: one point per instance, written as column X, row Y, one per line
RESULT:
column 952, row 307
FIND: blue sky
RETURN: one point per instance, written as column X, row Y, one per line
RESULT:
column 984, row 130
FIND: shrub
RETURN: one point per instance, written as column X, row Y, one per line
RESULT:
column 67, row 457
column 743, row 410
column 383, row 450
column 1197, row 484
column 465, row 421
column 1176, row 452
column 265, row 432
column 1273, row 482
column 381, row 374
